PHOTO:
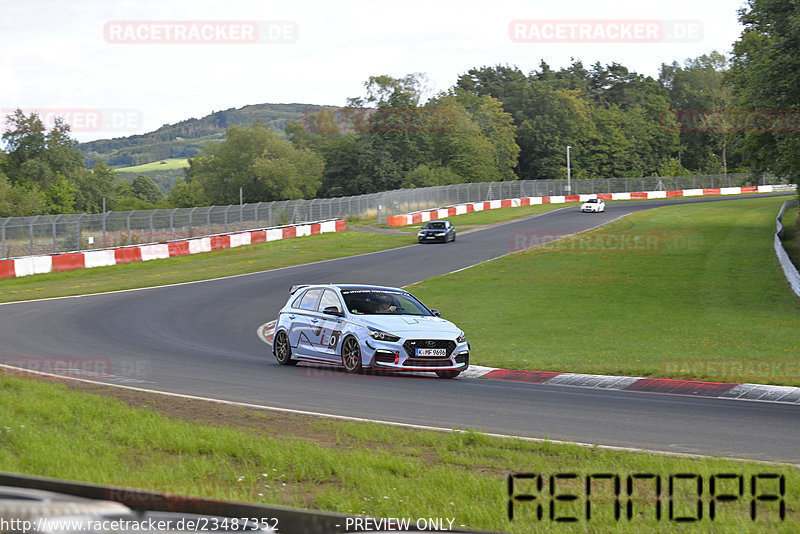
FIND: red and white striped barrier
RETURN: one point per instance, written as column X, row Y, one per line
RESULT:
column 114, row 256
column 736, row 390
column 441, row 213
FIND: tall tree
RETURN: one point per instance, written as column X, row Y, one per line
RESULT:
column 766, row 77
column 144, row 188
column 255, row 159
column 698, row 93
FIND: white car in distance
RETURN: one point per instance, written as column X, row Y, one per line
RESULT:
column 593, row 205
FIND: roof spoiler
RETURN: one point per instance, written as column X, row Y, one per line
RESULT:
column 294, row 288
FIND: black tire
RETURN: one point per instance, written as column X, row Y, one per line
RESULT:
column 351, row 355
column 282, row 350
column 447, row 374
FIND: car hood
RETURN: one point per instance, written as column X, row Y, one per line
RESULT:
column 401, row 324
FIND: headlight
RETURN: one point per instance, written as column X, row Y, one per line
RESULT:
column 440, row 233
column 380, row 335
column 462, row 338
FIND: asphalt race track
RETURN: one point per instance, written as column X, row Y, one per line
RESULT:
column 200, row 339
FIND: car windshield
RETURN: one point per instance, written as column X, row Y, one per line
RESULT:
column 594, row 201
column 435, row 226
column 382, row 302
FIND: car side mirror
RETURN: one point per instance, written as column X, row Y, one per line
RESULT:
column 333, row 310
column 436, row 313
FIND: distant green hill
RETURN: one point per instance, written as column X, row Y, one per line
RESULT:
column 185, row 139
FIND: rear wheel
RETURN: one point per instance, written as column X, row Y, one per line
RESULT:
column 447, row 374
column 283, row 351
column 351, row 355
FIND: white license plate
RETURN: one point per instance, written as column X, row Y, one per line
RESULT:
column 430, row 237
column 432, row 352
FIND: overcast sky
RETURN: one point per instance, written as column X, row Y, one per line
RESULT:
column 60, row 55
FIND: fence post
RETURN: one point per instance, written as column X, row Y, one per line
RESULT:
column 128, row 226
column 208, row 219
column 3, row 236
column 78, row 233
column 55, row 247
column 54, row 233
column 152, row 213
column 191, row 226
column 225, row 213
column 172, row 224
column 30, row 235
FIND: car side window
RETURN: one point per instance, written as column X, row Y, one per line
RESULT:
column 310, row 299
column 296, row 301
column 328, row 299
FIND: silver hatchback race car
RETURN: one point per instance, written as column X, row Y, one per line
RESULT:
column 367, row 327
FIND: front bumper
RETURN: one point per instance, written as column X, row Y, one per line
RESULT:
column 395, row 357
column 432, row 238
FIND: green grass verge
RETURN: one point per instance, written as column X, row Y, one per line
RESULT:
column 688, row 291
column 160, row 165
column 240, row 260
column 358, row 468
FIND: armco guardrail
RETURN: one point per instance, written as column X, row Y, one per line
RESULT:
column 792, row 276
column 286, row 520
column 50, row 234
column 424, row 216
column 101, row 258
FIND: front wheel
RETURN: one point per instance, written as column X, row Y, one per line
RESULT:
column 283, row 351
column 447, row 374
column 351, row 355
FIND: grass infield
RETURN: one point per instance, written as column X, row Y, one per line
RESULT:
column 687, row 291
column 228, row 262
column 197, row 448
column 160, row 165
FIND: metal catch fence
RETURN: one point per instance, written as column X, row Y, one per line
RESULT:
column 46, row 234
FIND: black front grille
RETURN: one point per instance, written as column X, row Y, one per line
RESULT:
column 427, row 362
column 412, row 344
